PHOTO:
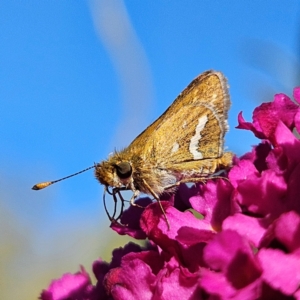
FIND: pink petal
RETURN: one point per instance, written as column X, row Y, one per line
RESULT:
column 297, row 121
column 244, row 170
column 231, row 254
column 151, row 258
column 269, row 114
column 281, row 271
column 134, row 280
column 213, row 202
column 286, row 230
column 184, row 240
column 127, row 230
column 155, row 226
column 293, row 191
column 254, row 127
column 216, row 285
column 263, row 195
column 130, row 220
column 296, row 94
column 258, row 155
column 69, row 286
column 287, row 140
column 178, row 285
column 250, row 227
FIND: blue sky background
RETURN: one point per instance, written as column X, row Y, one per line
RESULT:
column 79, row 78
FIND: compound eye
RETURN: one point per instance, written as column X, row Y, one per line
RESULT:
column 124, row 170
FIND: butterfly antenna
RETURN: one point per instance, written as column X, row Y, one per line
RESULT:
column 45, row 184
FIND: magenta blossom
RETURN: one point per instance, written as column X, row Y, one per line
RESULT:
column 245, row 246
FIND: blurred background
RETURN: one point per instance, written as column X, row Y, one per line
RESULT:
column 81, row 78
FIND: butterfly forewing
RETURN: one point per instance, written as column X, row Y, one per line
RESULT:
column 190, row 139
column 192, row 128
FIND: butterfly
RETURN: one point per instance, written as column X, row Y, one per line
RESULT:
column 185, row 144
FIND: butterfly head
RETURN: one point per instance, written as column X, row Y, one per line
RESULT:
column 114, row 173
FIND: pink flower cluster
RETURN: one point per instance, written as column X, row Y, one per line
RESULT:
column 246, row 246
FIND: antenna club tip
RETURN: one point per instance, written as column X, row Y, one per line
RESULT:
column 41, row 185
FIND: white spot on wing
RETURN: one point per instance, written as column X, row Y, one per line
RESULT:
column 175, row 148
column 184, row 124
column 194, row 144
column 223, row 126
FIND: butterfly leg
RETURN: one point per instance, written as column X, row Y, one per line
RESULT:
column 134, row 196
column 193, row 180
column 104, row 203
column 122, row 205
column 114, row 193
column 158, row 200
